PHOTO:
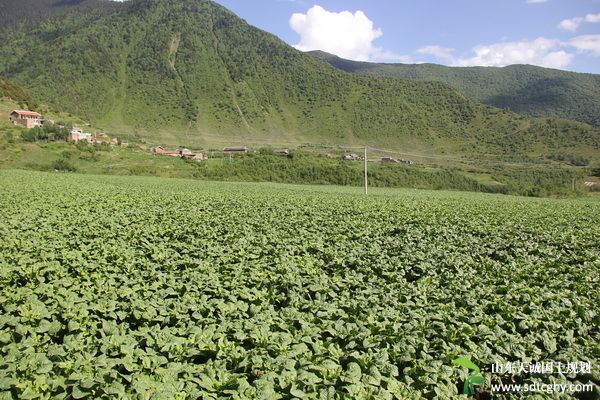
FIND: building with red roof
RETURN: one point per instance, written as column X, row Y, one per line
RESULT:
column 26, row 119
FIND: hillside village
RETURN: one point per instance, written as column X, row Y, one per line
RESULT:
column 31, row 119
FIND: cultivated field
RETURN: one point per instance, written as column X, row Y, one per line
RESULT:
column 150, row 288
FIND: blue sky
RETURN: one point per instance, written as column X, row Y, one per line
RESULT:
column 562, row 34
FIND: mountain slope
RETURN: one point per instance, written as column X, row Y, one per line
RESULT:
column 191, row 72
column 14, row 92
column 525, row 89
column 28, row 13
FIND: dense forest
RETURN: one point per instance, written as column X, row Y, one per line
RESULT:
column 185, row 71
column 525, row 89
column 29, row 13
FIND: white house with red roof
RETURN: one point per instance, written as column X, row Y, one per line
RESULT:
column 26, row 119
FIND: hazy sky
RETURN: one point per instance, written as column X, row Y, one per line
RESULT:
column 561, row 34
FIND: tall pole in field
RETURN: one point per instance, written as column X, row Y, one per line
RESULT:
column 366, row 178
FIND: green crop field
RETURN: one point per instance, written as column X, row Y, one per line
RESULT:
column 152, row 288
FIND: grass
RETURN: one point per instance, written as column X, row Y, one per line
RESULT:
column 304, row 167
column 311, row 163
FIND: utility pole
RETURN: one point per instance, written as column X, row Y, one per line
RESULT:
column 366, row 178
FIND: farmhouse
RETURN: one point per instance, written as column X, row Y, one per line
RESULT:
column 352, row 157
column 181, row 152
column 26, row 119
column 235, row 150
column 393, row 160
column 162, row 151
column 77, row 135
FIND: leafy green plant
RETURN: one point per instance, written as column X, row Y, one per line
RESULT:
column 139, row 287
column 474, row 379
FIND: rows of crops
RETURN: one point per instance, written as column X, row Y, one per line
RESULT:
column 166, row 289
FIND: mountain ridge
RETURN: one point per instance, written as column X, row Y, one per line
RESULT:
column 526, row 89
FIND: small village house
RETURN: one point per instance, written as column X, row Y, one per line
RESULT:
column 394, row 160
column 235, row 150
column 124, row 143
column 26, row 119
column 77, row 135
column 351, row 157
column 181, row 152
column 162, row 151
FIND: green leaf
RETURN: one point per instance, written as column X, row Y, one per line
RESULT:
column 308, row 378
column 477, row 379
column 353, row 373
column 297, row 392
column 115, row 388
column 6, row 396
column 465, row 363
column 44, row 368
column 5, row 337
column 79, row 393
column 549, row 343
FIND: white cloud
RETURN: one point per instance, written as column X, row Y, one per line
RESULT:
column 443, row 53
column 549, row 53
column 536, row 1
column 592, row 18
column 541, row 51
column 586, row 44
column 570, row 24
column 345, row 34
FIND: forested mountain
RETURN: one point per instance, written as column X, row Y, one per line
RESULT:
column 190, row 71
column 525, row 89
column 28, row 13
